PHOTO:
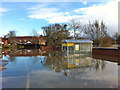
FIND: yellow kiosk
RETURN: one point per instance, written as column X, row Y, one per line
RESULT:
column 72, row 46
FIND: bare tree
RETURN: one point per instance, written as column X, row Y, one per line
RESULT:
column 106, row 41
column 95, row 31
column 75, row 27
column 34, row 33
column 55, row 34
column 118, row 40
column 11, row 33
column 115, row 36
column 35, row 41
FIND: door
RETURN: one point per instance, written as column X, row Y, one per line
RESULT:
column 76, row 47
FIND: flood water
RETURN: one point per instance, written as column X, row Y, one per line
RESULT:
column 42, row 69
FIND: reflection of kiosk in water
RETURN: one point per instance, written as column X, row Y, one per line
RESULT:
column 77, row 62
column 77, row 53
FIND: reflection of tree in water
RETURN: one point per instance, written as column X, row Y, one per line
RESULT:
column 12, row 59
column 99, row 64
column 53, row 60
column 65, row 73
column 103, row 65
column 35, row 59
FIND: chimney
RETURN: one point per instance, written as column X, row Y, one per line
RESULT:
column 4, row 36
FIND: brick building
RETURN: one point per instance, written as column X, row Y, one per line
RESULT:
column 24, row 40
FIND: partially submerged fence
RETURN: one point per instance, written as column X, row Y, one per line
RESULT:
column 107, row 51
column 113, row 53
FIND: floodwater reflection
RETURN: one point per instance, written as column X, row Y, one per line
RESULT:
column 56, row 70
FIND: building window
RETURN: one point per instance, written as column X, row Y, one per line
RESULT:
column 70, row 48
column 64, row 47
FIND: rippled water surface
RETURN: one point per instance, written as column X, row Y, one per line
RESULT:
column 53, row 70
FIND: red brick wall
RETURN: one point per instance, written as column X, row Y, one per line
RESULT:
column 118, row 52
column 46, row 48
column 49, row 48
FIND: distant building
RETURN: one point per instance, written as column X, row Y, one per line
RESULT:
column 24, row 40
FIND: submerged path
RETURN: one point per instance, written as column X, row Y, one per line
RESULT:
column 28, row 76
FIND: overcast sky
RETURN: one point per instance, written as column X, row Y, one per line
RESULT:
column 23, row 16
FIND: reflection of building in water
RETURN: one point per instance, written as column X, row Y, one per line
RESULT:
column 77, row 62
column 24, row 52
column 0, row 47
column 76, row 47
column 3, row 63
